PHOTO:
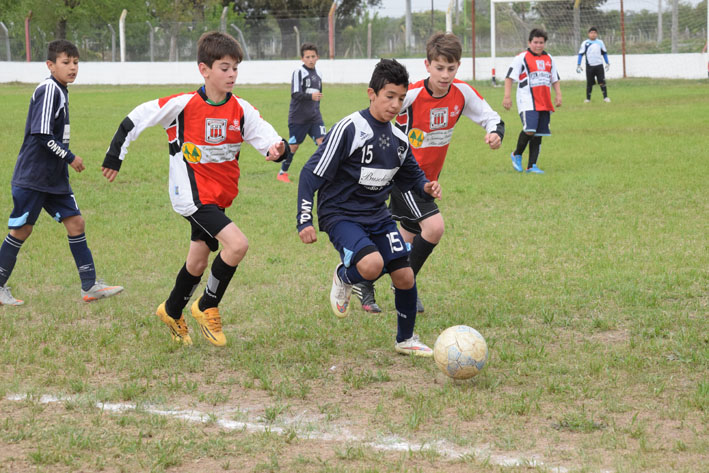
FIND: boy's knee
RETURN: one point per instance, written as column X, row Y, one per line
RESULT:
column 371, row 266
column 22, row 233
column 197, row 267
column 75, row 225
column 236, row 248
column 403, row 278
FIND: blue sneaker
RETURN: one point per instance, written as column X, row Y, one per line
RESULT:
column 535, row 169
column 516, row 161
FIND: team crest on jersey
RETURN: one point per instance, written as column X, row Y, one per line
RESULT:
column 191, row 153
column 540, row 64
column 234, row 126
column 439, row 118
column 384, row 141
column 215, row 130
column 416, row 137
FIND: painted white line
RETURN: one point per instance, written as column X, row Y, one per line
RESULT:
column 391, row 444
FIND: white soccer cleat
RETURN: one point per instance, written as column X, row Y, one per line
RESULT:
column 100, row 290
column 607, row 99
column 586, row 101
column 413, row 346
column 6, row 297
column 340, row 295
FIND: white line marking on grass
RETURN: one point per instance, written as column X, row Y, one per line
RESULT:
column 391, row 444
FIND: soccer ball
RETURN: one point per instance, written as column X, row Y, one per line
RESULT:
column 460, row 352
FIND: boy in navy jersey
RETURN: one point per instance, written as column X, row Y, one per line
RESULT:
column 431, row 110
column 41, row 177
column 304, row 114
column 353, row 172
column 206, row 129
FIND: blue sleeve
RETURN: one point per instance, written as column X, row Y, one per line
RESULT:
column 297, row 93
column 578, row 63
column 55, row 147
column 605, row 56
column 43, row 109
column 411, row 177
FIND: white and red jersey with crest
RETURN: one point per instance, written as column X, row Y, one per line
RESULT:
column 428, row 121
column 535, row 75
column 205, row 143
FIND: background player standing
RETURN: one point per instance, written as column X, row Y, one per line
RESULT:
column 304, row 113
column 535, row 72
column 431, row 109
column 41, row 177
column 595, row 52
column 206, row 129
column 353, row 171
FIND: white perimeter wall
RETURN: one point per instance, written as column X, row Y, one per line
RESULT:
column 347, row 71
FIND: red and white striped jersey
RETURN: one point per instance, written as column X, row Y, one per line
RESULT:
column 205, row 142
column 535, row 75
column 428, row 121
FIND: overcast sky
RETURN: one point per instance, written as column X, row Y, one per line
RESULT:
column 396, row 7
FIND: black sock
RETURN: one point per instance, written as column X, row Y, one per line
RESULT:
column 83, row 259
column 185, row 285
column 589, row 88
column 405, row 302
column 605, row 91
column 285, row 165
column 8, row 256
column 219, row 279
column 420, row 251
column 522, row 143
column 534, row 146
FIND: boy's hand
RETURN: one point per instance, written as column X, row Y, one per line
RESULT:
column 276, row 150
column 557, row 101
column 507, row 103
column 308, row 235
column 109, row 174
column 433, row 189
column 317, row 96
column 77, row 164
column 493, row 140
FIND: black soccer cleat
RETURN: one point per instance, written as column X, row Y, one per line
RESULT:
column 365, row 294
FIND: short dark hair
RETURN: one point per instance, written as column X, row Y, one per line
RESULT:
column 308, row 47
column 388, row 71
column 446, row 45
column 538, row 33
column 593, row 28
column 214, row 45
column 59, row 46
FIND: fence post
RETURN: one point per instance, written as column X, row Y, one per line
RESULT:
column 331, row 29
column 222, row 22
column 7, row 40
column 369, row 40
column 407, row 23
column 113, row 43
column 242, row 41
column 151, row 40
column 28, row 51
column 122, row 33
column 297, row 40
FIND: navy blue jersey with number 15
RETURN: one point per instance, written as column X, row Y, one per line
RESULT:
column 353, row 171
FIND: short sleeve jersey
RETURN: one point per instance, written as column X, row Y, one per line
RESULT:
column 360, row 159
column 43, row 166
column 594, row 51
column 428, row 121
column 534, row 75
column 303, row 109
column 204, row 145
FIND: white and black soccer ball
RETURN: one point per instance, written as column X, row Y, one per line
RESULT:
column 460, row 352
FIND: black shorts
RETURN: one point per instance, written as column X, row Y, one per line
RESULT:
column 206, row 223
column 409, row 209
column 298, row 132
column 595, row 74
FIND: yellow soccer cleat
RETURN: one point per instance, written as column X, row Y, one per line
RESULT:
column 178, row 328
column 210, row 323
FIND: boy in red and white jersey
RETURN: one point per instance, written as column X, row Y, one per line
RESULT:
column 205, row 129
column 430, row 112
column 535, row 72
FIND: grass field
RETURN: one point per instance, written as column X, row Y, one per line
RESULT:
column 590, row 284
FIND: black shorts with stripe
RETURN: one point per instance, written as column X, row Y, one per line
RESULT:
column 409, row 208
column 206, row 223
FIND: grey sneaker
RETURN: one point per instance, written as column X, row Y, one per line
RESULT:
column 6, row 297
column 365, row 293
column 413, row 346
column 340, row 294
column 100, row 291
